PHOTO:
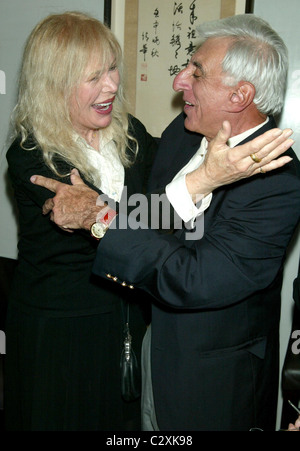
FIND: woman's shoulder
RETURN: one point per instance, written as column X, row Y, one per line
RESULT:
column 19, row 153
column 27, row 158
column 18, row 146
column 136, row 127
column 138, row 130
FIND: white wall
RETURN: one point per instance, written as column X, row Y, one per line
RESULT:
column 118, row 20
column 284, row 16
column 17, row 19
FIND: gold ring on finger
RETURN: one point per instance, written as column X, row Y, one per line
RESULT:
column 261, row 171
column 254, row 158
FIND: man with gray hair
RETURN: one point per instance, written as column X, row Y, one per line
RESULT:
column 211, row 355
column 215, row 318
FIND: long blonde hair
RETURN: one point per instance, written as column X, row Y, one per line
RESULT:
column 54, row 62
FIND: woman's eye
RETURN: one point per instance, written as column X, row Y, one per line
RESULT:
column 93, row 78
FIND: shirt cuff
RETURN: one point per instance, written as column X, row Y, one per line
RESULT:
column 181, row 200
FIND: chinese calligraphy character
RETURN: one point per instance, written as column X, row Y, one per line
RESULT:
column 156, row 12
column 193, row 18
column 155, row 53
column 144, row 50
column 185, row 64
column 176, row 26
column 191, row 33
column 175, row 41
column 190, row 48
column 174, row 70
column 177, row 8
column 155, row 26
column 145, row 36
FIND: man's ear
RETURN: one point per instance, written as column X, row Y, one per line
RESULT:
column 242, row 96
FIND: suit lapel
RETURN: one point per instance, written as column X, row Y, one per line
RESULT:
column 270, row 124
column 176, row 151
column 219, row 194
column 173, row 154
column 184, row 151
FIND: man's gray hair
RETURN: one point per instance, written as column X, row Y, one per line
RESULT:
column 257, row 55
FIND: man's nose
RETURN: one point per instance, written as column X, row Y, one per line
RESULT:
column 181, row 81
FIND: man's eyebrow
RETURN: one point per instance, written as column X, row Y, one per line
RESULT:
column 199, row 66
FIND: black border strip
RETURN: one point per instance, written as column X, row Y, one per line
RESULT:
column 107, row 12
column 249, row 6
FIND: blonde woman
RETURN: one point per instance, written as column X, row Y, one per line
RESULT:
column 64, row 329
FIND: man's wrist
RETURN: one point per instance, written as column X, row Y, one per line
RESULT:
column 196, row 186
column 103, row 220
column 91, row 217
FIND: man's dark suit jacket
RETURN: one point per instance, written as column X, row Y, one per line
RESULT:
column 216, row 300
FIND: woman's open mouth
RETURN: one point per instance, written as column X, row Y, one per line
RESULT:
column 105, row 107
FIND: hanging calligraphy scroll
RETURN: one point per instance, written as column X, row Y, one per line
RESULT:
column 166, row 40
